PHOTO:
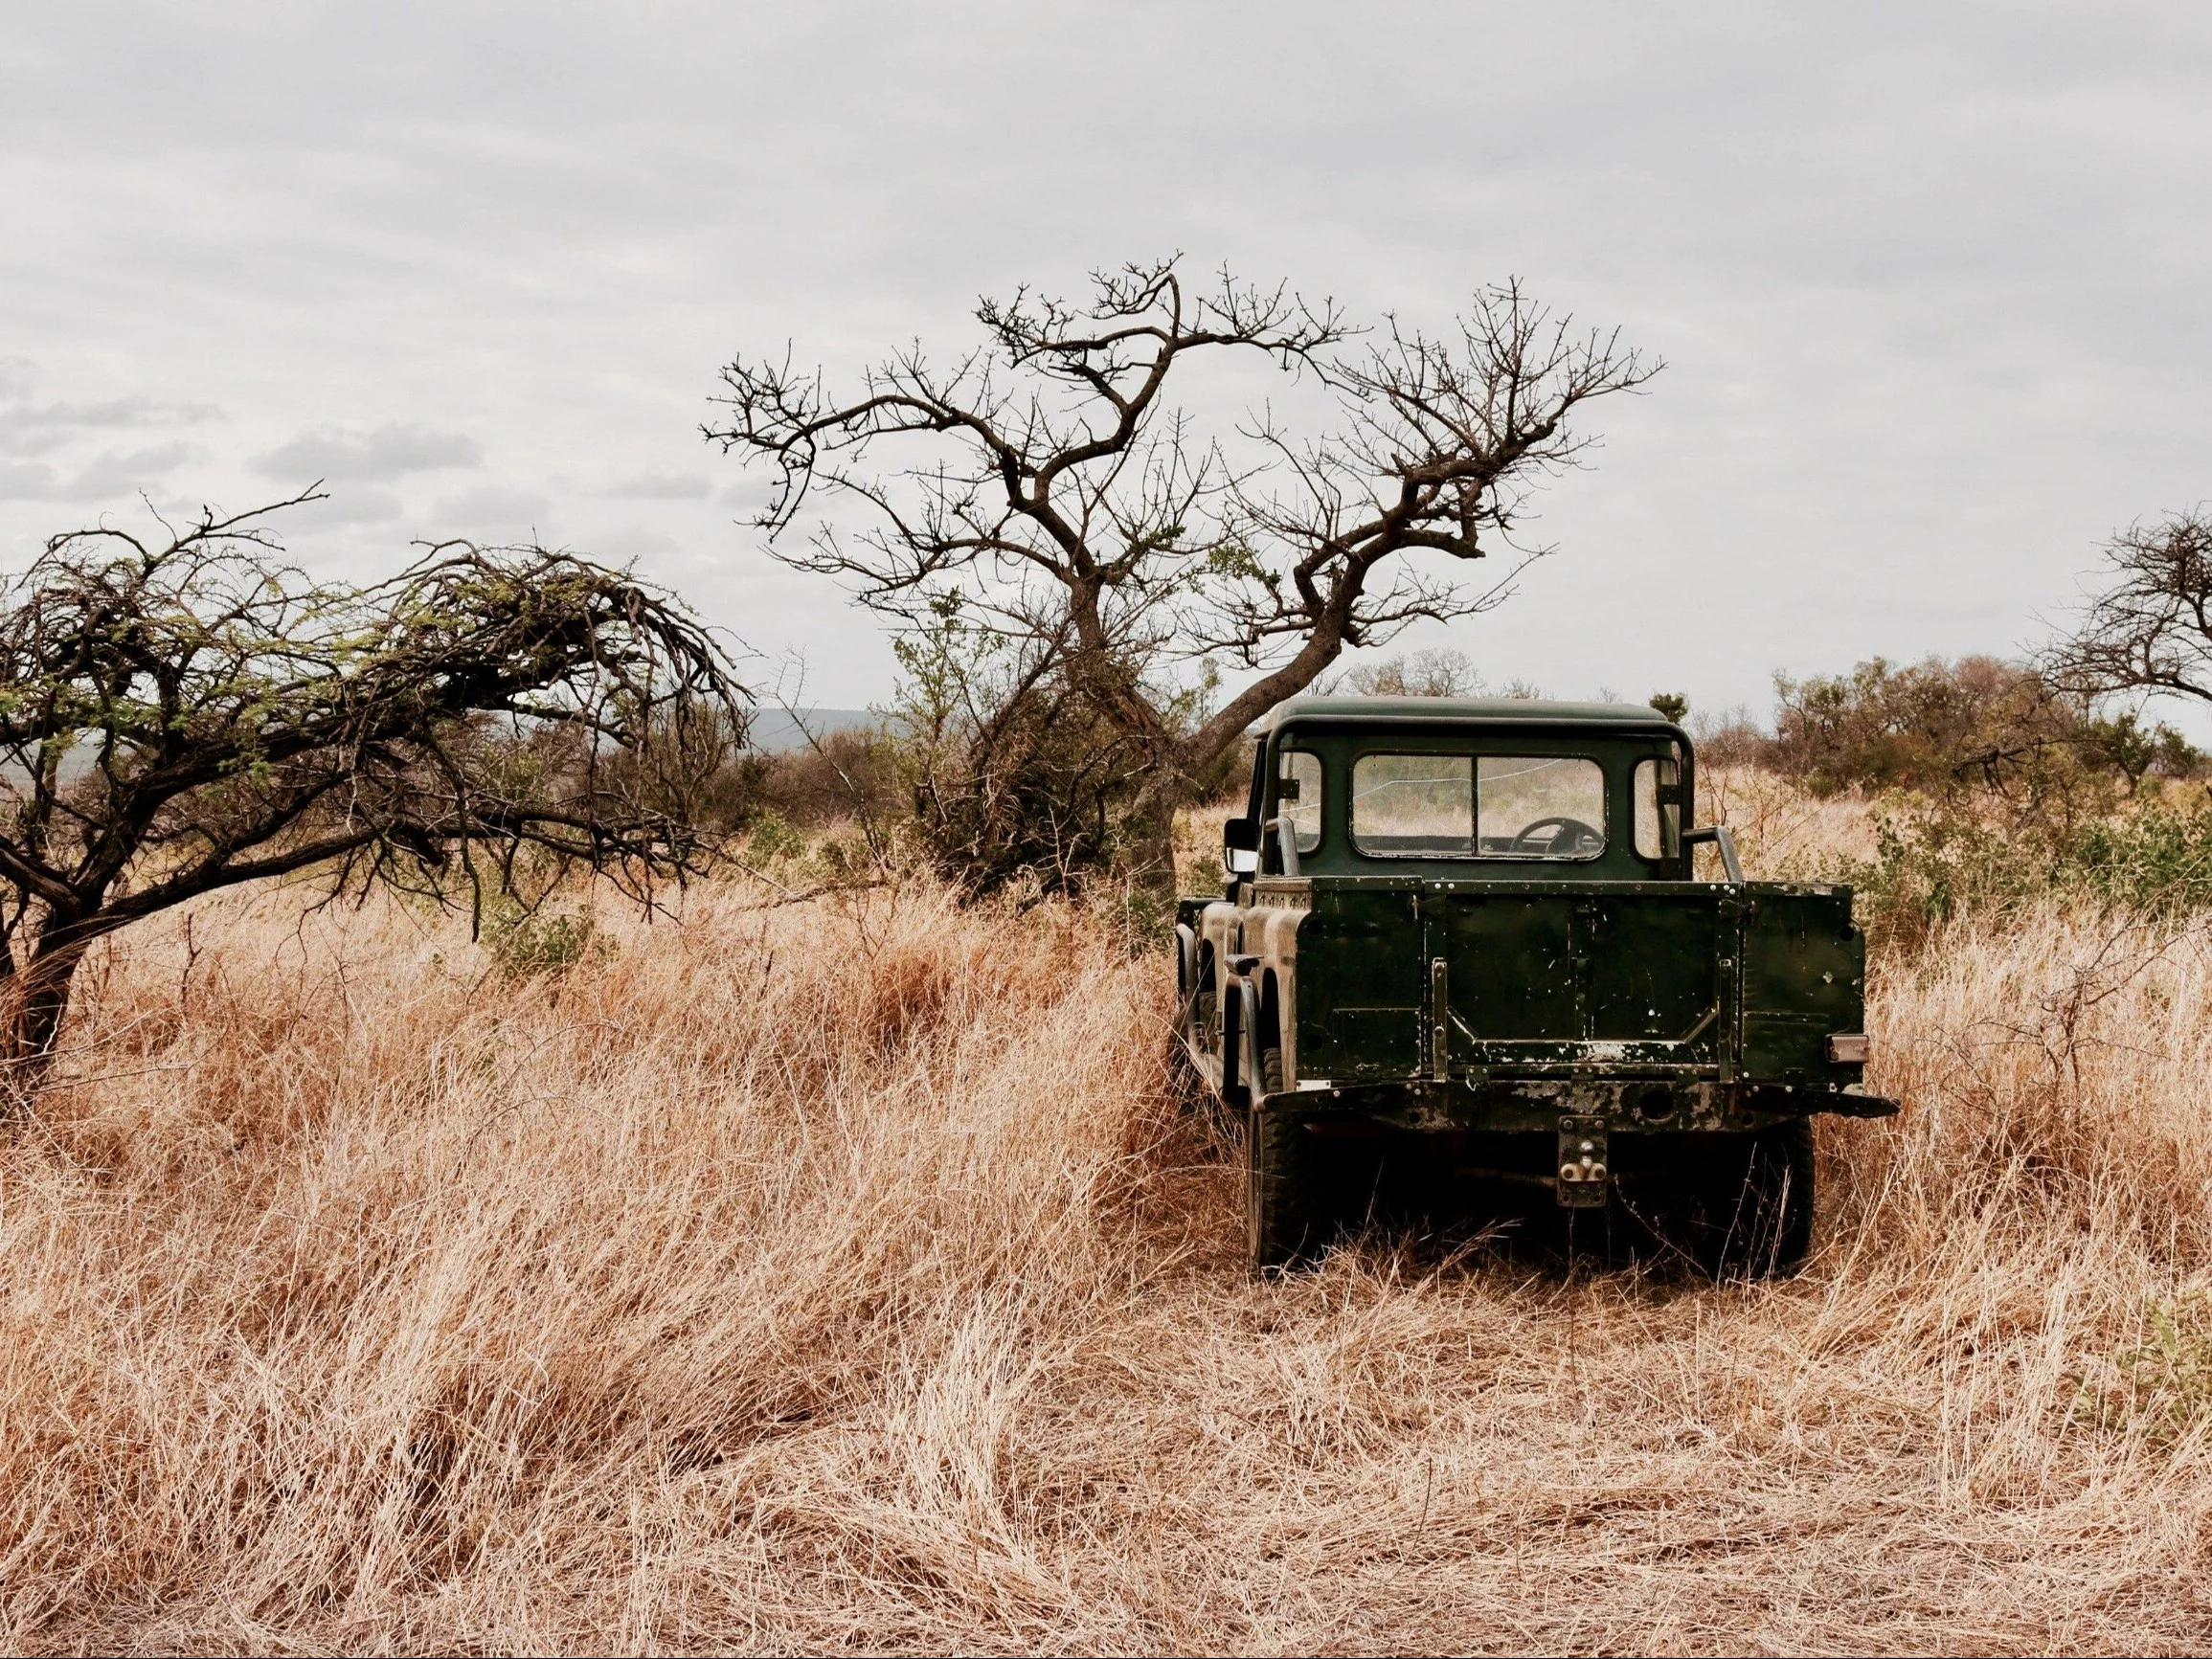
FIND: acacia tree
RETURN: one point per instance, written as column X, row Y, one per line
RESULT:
column 1048, row 484
column 2150, row 627
column 184, row 712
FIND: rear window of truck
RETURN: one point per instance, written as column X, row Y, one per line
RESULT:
column 1496, row 806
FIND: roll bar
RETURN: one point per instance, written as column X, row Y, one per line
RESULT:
column 1723, row 837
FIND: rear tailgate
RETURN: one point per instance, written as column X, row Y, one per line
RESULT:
column 1633, row 976
column 1650, row 978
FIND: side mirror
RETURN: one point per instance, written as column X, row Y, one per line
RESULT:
column 1240, row 841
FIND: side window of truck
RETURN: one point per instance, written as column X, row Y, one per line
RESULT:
column 1299, row 796
column 1659, row 829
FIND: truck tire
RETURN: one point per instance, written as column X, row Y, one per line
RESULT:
column 1754, row 1214
column 1283, row 1211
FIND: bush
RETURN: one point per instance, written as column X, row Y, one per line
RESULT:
column 523, row 944
column 1933, row 727
column 1017, row 779
column 1440, row 672
column 1040, row 796
column 839, row 778
column 2160, row 1387
column 1937, row 859
column 1977, row 725
column 770, row 840
column 1731, row 739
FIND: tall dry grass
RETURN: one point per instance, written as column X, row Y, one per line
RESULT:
column 837, row 1276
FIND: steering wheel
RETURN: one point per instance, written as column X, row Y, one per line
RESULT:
column 1569, row 839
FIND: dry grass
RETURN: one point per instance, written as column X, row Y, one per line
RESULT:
column 838, row 1278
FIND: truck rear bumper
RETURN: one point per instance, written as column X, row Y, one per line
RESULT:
column 1627, row 1106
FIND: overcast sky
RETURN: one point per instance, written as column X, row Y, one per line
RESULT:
column 1930, row 282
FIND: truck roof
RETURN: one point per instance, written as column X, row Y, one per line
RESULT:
column 1459, row 710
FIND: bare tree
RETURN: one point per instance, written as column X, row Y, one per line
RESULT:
column 1437, row 672
column 2150, row 629
column 184, row 712
column 1048, row 481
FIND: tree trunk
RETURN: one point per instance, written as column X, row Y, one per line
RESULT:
column 33, row 1001
column 1152, row 852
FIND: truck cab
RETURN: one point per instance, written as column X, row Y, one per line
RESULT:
column 1479, row 926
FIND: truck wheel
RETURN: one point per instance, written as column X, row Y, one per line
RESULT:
column 1270, row 1071
column 1282, row 1212
column 1755, row 1217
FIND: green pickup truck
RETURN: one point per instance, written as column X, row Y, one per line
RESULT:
column 1470, row 935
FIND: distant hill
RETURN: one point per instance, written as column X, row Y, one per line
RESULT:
column 775, row 730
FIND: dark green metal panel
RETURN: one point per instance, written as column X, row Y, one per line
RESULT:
column 1582, row 963
column 1651, row 967
column 1372, row 1043
column 1361, row 982
column 1804, row 979
column 1753, row 981
column 1513, row 972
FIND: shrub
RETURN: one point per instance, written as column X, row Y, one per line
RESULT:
column 1734, row 738
column 1440, row 672
column 838, row 778
column 1937, row 859
column 1018, row 779
column 523, row 944
column 2160, row 1387
column 770, row 840
column 1977, row 725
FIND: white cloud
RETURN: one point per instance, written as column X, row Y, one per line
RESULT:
column 37, row 441
column 120, row 473
column 379, row 455
column 27, row 480
column 54, row 419
column 660, row 486
column 345, row 506
column 1929, row 287
column 501, row 508
column 115, row 473
column 637, row 542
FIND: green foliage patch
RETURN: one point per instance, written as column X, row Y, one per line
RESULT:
column 2160, row 1387
column 525, row 944
column 1937, row 859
